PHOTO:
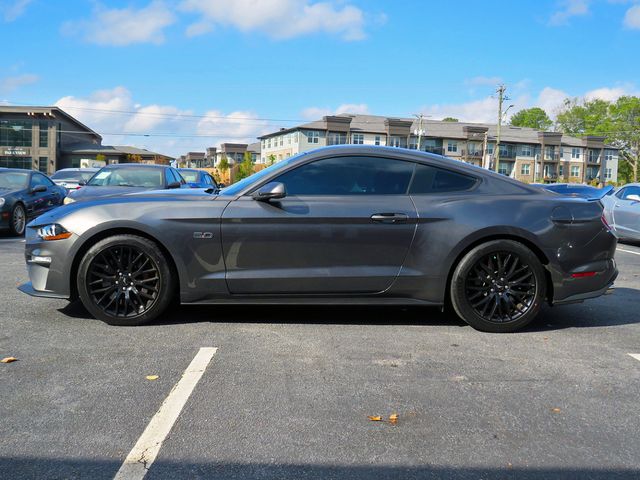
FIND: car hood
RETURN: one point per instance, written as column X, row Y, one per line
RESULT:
column 161, row 197
column 90, row 193
column 5, row 192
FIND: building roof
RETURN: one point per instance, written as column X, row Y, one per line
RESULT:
column 52, row 110
column 92, row 148
column 433, row 129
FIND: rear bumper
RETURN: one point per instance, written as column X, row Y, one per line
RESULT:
column 579, row 297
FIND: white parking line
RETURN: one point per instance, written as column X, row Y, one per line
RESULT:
column 143, row 454
column 635, row 355
column 627, row 251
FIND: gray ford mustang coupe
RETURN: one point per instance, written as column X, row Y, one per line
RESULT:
column 339, row 225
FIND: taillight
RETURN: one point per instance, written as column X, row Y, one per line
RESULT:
column 604, row 222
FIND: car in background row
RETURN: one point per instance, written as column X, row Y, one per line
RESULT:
column 622, row 211
column 73, row 178
column 25, row 194
column 123, row 178
column 576, row 189
column 198, row 178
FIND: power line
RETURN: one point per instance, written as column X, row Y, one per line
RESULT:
column 135, row 134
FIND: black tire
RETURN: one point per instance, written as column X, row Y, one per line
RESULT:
column 498, row 287
column 125, row 280
column 18, row 220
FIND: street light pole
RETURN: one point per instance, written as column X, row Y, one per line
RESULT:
column 419, row 132
column 500, row 91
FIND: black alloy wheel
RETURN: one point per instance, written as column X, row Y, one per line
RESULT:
column 498, row 286
column 125, row 280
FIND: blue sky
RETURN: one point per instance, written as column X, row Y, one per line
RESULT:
column 193, row 73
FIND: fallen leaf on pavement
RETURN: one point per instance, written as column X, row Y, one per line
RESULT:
column 152, row 377
column 556, row 410
column 393, row 418
column 376, row 418
column 8, row 360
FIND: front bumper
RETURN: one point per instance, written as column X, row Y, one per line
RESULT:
column 29, row 290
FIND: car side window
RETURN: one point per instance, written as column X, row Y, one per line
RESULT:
column 170, row 176
column 208, row 179
column 179, row 177
column 428, row 179
column 626, row 192
column 349, row 176
column 37, row 179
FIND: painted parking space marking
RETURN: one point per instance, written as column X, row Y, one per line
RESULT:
column 627, row 251
column 635, row 355
column 144, row 452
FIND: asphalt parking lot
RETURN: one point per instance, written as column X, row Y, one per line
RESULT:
column 288, row 392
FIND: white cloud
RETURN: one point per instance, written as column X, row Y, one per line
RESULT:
column 278, row 18
column 632, row 18
column 610, row 94
column 11, row 10
column 171, row 130
column 569, row 9
column 9, row 84
column 551, row 100
column 315, row 113
column 124, row 26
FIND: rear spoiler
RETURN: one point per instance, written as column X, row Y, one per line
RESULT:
column 608, row 190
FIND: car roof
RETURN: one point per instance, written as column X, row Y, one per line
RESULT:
column 135, row 165
column 3, row 169
column 87, row 169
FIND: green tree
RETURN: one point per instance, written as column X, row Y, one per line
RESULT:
column 584, row 118
column 245, row 169
column 534, row 117
column 100, row 157
column 450, row 119
column 223, row 165
column 272, row 159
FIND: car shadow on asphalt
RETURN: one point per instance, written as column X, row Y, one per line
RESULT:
column 602, row 312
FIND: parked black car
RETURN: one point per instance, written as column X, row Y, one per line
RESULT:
column 123, row 178
column 25, row 194
column 198, row 178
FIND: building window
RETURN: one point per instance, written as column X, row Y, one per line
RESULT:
column 525, row 169
column 503, row 168
column 607, row 174
column 42, row 164
column 44, row 134
column 313, row 136
column 526, row 150
column 336, row 138
column 16, row 162
column 281, row 140
column 357, row 139
column 377, row 140
column 397, row 141
column 289, row 139
column 490, row 147
column 594, row 156
column 15, row 133
column 295, row 137
column 269, row 143
column 608, row 155
column 575, row 170
column 575, row 154
column 561, row 170
column 452, row 146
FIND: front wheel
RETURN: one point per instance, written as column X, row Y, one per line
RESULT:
column 125, row 280
column 18, row 220
column 498, row 286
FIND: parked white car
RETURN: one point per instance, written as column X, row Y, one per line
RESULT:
column 73, row 178
column 622, row 211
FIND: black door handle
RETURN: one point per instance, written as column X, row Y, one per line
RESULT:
column 390, row 217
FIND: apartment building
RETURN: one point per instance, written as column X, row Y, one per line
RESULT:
column 525, row 153
column 233, row 152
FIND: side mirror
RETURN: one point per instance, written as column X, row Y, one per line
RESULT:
column 270, row 191
column 174, row 185
column 82, row 183
column 39, row 189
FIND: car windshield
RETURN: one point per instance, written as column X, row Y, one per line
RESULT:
column 76, row 175
column 14, row 180
column 128, row 177
column 238, row 187
column 189, row 176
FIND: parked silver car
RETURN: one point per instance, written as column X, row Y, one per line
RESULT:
column 73, row 178
column 622, row 211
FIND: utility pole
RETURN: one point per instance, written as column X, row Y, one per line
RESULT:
column 500, row 91
column 419, row 132
column 484, row 150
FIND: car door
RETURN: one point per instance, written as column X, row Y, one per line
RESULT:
column 345, row 226
column 40, row 202
column 626, row 211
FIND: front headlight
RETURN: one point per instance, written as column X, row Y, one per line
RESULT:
column 68, row 200
column 53, row 232
column 1, row 201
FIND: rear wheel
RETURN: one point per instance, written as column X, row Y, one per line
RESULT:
column 498, row 286
column 125, row 280
column 18, row 220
